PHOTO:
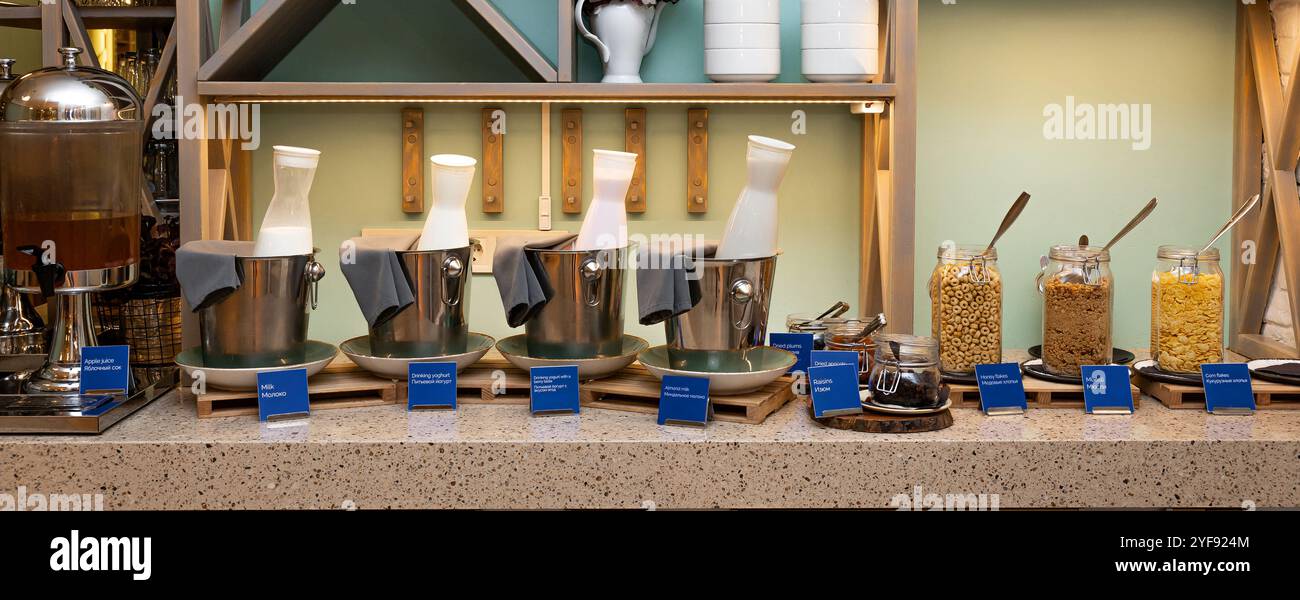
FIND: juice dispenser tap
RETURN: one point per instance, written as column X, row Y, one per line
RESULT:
column 72, row 140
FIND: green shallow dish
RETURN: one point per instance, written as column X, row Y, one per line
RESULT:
column 358, row 349
column 319, row 354
column 515, row 350
column 741, row 372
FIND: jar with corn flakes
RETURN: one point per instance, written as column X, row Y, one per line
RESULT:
column 966, row 308
column 1187, row 309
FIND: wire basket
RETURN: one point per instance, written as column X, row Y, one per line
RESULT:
column 149, row 321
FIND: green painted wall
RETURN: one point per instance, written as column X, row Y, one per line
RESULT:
column 358, row 186
column 987, row 70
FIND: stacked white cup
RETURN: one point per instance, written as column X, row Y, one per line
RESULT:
column 840, row 40
column 742, row 40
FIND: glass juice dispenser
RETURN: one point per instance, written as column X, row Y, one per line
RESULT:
column 70, row 193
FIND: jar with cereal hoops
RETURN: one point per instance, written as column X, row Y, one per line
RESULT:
column 1078, row 305
column 1187, row 309
column 966, row 308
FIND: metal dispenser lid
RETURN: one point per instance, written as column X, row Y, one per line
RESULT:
column 70, row 94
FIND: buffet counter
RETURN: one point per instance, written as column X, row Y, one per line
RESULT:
column 497, row 456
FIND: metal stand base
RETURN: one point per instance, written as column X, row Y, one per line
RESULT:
column 62, row 371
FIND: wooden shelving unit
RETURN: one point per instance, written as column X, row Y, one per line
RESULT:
column 265, row 91
column 248, row 45
column 95, row 17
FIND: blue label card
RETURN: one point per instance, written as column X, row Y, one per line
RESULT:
column 1106, row 389
column 430, row 385
column 1227, row 389
column 684, row 401
column 105, row 369
column 553, row 390
column 282, row 395
column 799, row 344
column 1002, row 392
column 831, row 358
column 834, row 390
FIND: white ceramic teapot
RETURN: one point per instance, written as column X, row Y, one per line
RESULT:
column 625, row 33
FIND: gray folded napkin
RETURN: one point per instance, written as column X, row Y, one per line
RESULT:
column 665, row 286
column 375, row 274
column 207, row 270
column 522, row 292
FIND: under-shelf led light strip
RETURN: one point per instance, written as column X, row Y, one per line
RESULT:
column 256, row 100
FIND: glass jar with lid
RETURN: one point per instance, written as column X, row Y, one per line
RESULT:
column 809, row 323
column 1078, row 291
column 905, row 372
column 1187, row 309
column 966, row 307
column 844, row 336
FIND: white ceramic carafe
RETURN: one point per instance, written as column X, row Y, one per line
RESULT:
column 605, row 226
column 286, row 228
column 447, row 228
column 625, row 33
column 752, row 229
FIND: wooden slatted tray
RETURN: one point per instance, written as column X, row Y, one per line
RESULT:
column 1268, row 395
column 1038, row 394
column 494, row 381
column 341, row 385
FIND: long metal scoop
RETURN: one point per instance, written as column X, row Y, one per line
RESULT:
column 1137, row 220
column 1012, row 214
column 1236, row 218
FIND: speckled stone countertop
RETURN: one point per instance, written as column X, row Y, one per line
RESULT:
column 493, row 456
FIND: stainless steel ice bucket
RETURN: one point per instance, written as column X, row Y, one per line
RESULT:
column 437, row 324
column 264, row 322
column 584, row 317
column 732, row 313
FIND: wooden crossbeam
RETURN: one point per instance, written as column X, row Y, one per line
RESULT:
column 521, row 51
column 265, row 39
column 1247, row 168
column 77, row 35
column 1286, row 195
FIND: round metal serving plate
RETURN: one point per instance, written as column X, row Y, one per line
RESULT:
column 1148, row 369
column 865, row 397
column 319, row 354
column 1255, row 367
column 358, row 349
column 1034, row 368
column 756, row 368
column 1118, row 356
column 515, row 350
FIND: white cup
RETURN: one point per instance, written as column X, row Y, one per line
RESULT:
column 840, row 65
column 840, row 35
column 742, row 11
column 742, row 35
column 841, row 11
column 735, row 65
